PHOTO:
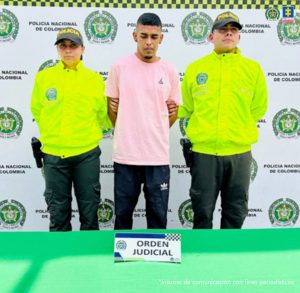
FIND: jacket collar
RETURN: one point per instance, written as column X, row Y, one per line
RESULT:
column 62, row 66
column 235, row 55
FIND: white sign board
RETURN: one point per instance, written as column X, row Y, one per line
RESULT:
column 147, row 247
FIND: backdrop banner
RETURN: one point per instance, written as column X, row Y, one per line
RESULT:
column 270, row 35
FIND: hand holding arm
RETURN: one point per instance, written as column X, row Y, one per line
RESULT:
column 113, row 105
column 172, row 109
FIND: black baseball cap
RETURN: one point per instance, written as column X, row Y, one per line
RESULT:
column 225, row 18
column 69, row 33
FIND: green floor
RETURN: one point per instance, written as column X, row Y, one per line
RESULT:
column 265, row 260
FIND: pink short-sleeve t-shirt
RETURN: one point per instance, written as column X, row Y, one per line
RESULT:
column 141, row 135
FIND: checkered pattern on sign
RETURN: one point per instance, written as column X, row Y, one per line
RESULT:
column 166, row 4
column 173, row 237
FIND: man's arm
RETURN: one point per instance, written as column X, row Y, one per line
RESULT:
column 35, row 104
column 260, row 99
column 112, row 106
column 187, row 108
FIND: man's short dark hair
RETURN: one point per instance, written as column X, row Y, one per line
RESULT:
column 149, row 19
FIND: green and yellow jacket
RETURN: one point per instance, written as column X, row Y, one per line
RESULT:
column 224, row 95
column 70, row 109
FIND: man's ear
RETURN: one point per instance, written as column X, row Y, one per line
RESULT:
column 134, row 35
column 210, row 37
column 161, row 38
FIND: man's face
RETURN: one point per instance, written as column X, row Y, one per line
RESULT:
column 148, row 38
column 70, row 53
column 225, row 39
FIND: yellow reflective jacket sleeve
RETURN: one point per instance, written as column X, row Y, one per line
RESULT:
column 259, row 101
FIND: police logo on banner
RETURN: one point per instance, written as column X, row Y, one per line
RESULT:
column 48, row 64
column 272, row 13
column 101, row 27
column 254, row 168
column 195, row 28
column 286, row 123
column 9, row 26
column 288, row 12
column 289, row 32
column 283, row 212
column 12, row 214
column 186, row 214
column 106, row 213
column 11, row 123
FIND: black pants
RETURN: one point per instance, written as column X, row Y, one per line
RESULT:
column 227, row 175
column 128, row 180
column 83, row 172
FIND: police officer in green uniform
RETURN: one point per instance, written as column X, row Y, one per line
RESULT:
column 70, row 108
column 224, row 95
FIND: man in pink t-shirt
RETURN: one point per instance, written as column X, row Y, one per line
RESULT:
column 143, row 93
